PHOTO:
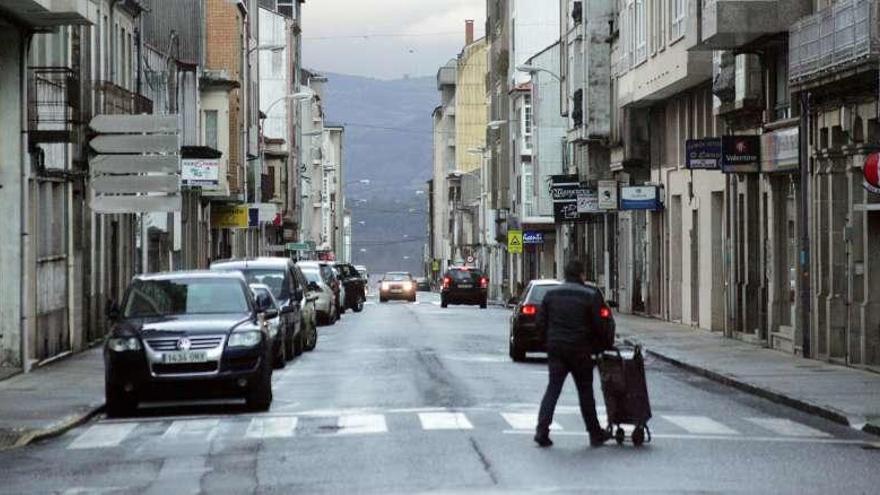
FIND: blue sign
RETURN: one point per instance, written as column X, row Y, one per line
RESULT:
column 703, row 154
column 533, row 237
column 640, row 198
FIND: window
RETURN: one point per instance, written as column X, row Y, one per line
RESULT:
column 577, row 111
column 678, row 13
column 577, row 12
column 211, row 129
column 528, row 189
column 527, row 123
column 639, row 30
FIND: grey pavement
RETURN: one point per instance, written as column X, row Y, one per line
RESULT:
column 846, row 395
column 51, row 399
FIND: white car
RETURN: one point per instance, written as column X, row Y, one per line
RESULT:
column 325, row 298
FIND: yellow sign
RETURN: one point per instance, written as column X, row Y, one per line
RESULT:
column 435, row 265
column 514, row 241
column 229, row 217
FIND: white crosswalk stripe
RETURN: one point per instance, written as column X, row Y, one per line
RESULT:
column 445, row 421
column 102, row 436
column 358, row 424
column 192, row 428
column 700, row 425
column 786, row 427
column 525, row 421
column 281, row 427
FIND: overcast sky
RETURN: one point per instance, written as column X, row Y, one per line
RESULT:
column 386, row 39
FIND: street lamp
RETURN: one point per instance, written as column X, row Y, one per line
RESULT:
column 531, row 69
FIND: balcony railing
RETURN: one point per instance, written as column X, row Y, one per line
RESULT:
column 53, row 104
column 111, row 99
column 835, row 37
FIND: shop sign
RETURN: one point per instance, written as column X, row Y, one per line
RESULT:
column 229, row 216
column 587, row 201
column 200, row 172
column 740, row 154
column 572, row 201
column 533, row 237
column 872, row 173
column 264, row 213
column 640, row 198
column 607, row 194
column 514, row 241
column 779, row 151
column 703, row 154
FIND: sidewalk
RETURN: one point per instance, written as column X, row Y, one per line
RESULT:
column 51, row 399
column 846, row 395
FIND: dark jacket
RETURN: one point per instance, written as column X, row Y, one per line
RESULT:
column 570, row 316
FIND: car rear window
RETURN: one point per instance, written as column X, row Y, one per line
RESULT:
column 466, row 275
column 536, row 295
column 396, row 277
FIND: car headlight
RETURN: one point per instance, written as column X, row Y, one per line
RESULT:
column 124, row 344
column 245, row 339
column 386, row 286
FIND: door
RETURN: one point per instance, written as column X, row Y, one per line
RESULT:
column 51, row 335
column 717, row 262
column 675, row 254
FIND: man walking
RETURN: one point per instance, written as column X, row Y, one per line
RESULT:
column 570, row 316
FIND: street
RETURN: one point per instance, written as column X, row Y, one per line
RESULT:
column 406, row 398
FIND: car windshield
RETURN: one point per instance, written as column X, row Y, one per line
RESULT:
column 272, row 278
column 536, row 295
column 149, row 298
column 312, row 274
column 396, row 277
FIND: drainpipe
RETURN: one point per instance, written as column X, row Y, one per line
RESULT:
column 804, row 142
column 111, row 37
column 24, row 281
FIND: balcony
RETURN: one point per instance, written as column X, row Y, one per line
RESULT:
column 111, row 99
column 53, row 104
column 834, row 39
column 730, row 24
column 47, row 13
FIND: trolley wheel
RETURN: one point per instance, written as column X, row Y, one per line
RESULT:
column 638, row 436
column 619, row 436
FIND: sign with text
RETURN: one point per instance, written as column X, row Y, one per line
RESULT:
column 587, row 201
column 200, row 172
column 572, row 201
column 740, row 154
column 229, row 216
column 703, row 154
column 779, row 151
column 533, row 237
column 640, row 198
column 607, row 194
column 515, row 241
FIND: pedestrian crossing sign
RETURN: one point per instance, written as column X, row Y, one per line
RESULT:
column 515, row 241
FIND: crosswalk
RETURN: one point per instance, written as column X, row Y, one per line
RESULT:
column 364, row 423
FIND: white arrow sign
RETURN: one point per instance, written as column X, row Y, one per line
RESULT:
column 133, row 143
column 135, row 124
column 134, row 164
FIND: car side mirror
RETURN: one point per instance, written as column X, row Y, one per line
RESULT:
column 112, row 311
column 611, row 304
column 270, row 313
column 298, row 294
column 287, row 308
column 263, row 303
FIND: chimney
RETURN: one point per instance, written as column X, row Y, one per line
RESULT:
column 468, row 32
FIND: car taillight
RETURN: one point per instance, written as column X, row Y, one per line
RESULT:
column 529, row 310
column 447, row 281
column 484, row 283
column 604, row 313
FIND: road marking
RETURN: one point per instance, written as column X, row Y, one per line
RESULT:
column 525, row 421
column 282, row 427
column 103, row 435
column 200, row 428
column 355, row 424
column 684, row 436
column 700, row 425
column 787, row 427
column 445, row 421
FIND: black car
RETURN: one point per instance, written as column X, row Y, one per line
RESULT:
column 525, row 336
column 288, row 285
column 184, row 335
column 397, row 285
column 525, row 333
column 354, row 284
column 422, row 284
column 464, row 285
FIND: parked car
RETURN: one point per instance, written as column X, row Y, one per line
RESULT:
column 280, row 274
column 187, row 334
column 338, row 286
column 422, row 285
column 397, row 285
column 355, row 296
column 273, row 324
column 319, row 287
column 365, row 275
column 464, row 285
column 525, row 336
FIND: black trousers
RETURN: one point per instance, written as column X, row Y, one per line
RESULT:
column 579, row 363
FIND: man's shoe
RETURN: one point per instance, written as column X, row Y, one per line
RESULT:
column 599, row 439
column 543, row 440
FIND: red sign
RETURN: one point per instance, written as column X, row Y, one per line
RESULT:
column 872, row 172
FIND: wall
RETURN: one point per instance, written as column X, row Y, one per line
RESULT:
column 218, row 99
column 470, row 106
column 274, row 75
column 548, row 127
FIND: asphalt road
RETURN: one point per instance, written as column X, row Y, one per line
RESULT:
column 409, row 398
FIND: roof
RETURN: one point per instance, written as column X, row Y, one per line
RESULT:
column 206, row 274
column 545, row 281
column 266, row 262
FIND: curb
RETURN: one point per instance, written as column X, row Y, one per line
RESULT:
column 821, row 411
column 28, row 437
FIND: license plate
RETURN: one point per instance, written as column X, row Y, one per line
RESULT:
column 185, row 357
column 465, row 286
column 396, row 291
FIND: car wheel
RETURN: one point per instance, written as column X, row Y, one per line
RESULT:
column 259, row 397
column 117, row 402
column 484, row 303
column 299, row 344
column 383, row 300
column 312, row 341
column 516, row 353
column 359, row 306
column 444, row 303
